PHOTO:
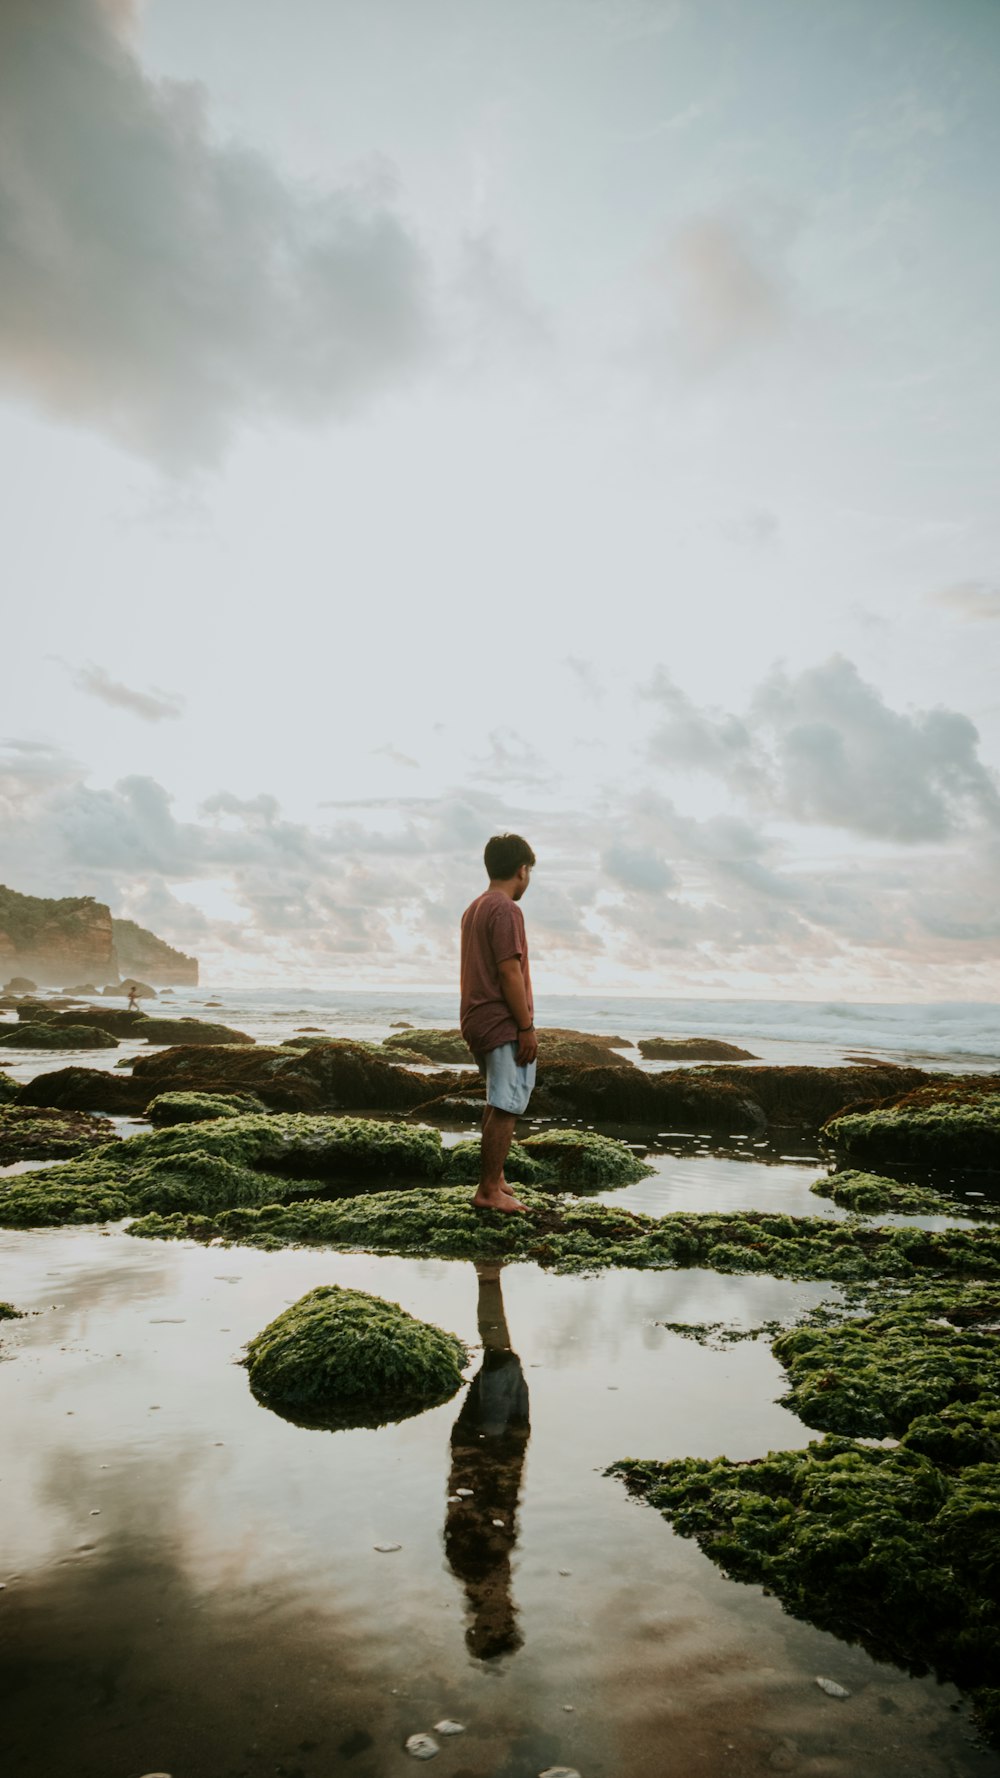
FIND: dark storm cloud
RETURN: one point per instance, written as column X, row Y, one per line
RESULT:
column 822, row 747
column 157, row 284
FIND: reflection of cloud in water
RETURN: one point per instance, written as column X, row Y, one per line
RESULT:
column 117, row 1660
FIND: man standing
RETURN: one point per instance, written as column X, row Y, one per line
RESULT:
column 498, row 1014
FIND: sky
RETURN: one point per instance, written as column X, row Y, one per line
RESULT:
column 569, row 417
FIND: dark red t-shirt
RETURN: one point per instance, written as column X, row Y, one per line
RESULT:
column 492, row 931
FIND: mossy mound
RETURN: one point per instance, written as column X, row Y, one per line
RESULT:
column 882, row 1547
column 58, row 1037
column 950, row 1132
column 687, row 1099
column 8, row 1089
column 9, row 1313
column 804, row 1098
column 562, row 1160
column 431, row 1046
column 84, row 1089
column 196, row 1108
column 208, row 1166
column 27, row 1134
column 311, row 1041
column 343, row 1358
column 588, row 1237
column 200, row 1031
column 935, row 1347
column 117, row 1020
column 868, row 1194
column 337, row 1076
column 692, row 1049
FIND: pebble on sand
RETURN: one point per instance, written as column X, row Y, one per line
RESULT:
column 559, row 1772
column 447, row 1727
column 832, row 1689
column 422, row 1746
column 387, row 1549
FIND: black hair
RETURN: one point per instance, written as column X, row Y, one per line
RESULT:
column 504, row 855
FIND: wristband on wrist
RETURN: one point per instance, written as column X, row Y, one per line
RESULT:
column 522, row 1028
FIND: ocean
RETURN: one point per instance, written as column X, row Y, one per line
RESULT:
column 948, row 1035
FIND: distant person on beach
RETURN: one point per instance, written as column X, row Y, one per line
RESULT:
column 497, row 1012
column 133, row 999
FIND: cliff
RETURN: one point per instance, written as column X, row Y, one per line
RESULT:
column 141, row 953
column 57, row 942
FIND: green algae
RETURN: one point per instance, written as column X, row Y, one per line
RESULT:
column 192, row 1167
column 341, row 1357
column 9, row 1313
column 430, row 1045
column 868, row 1194
column 58, row 1037
column 918, row 1353
column 882, row 1547
column 8, row 1088
column 590, row 1237
column 948, row 1132
column 31, row 1134
column 564, row 1160
column 195, row 1108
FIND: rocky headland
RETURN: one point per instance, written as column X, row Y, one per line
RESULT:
column 46, row 940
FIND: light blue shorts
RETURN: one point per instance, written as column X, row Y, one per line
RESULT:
column 508, row 1082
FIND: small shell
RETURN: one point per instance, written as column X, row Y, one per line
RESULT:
column 832, row 1689
column 422, row 1746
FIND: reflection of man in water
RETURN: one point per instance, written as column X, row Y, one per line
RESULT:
column 487, row 1456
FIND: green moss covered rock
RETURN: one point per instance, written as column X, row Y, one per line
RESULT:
column 208, row 1166
column 868, row 1194
column 881, row 1547
column 561, row 1160
column 57, row 1037
column 343, row 1358
column 196, row 1108
column 8, row 1089
column 431, row 1046
column 337, row 1076
column 947, row 1133
column 27, row 1134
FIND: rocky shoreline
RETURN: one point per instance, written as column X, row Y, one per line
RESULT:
column 335, row 1143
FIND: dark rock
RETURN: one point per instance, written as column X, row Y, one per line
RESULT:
column 803, row 1098
column 83, row 988
column 29, row 1133
column 57, row 1037
column 85, row 1089
column 401, row 1025
column 436, row 1046
column 115, row 1019
column 188, row 1031
column 337, row 1076
column 685, row 1100
column 692, row 1049
column 20, row 984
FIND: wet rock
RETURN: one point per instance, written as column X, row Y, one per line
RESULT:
column 154, row 1030
column 84, row 1089
column 47, row 1134
column 949, row 1122
column 692, row 1049
column 83, row 988
column 337, row 1076
column 20, row 984
column 344, row 1358
column 195, row 1108
column 804, row 1098
column 57, row 1037
column 114, row 1019
column 422, row 1746
column 400, row 1025
column 684, row 1100
column 8, row 1088
column 387, row 1549
column 434, row 1046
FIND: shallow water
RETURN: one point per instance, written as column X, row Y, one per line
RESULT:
column 193, row 1586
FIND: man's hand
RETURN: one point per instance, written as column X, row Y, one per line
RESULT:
column 527, row 1047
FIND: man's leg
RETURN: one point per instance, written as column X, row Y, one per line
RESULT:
column 488, row 1111
column 498, row 1132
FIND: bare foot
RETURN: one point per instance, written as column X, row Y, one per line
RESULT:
column 504, row 1200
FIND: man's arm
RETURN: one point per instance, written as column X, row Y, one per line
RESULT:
column 513, row 990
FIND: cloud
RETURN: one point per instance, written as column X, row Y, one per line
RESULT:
column 823, row 748
column 759, row 529
column 500, row 320
column 978, row 601
column 390, row 752
column 159, row 285
column 152, row 706
column 637, row 867
column 713, row 294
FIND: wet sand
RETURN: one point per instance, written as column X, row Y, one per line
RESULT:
column 191, row 1584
